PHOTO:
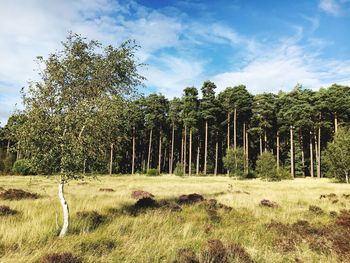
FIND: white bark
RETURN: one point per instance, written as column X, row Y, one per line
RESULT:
column 64, row 208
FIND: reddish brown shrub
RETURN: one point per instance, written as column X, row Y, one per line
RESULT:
column 343, row 219
column 17, row 194
column 6, row 211
column 65, row 257
column 237, row 253
column 186, row 255
column 146, row 202
column 214, row 253
column 268, row 203
column 139, row 194
column 315, row 209
column 190, row 199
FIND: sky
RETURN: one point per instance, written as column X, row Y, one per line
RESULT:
column 266, row 45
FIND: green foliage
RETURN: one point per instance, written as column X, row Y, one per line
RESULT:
column 178, row 171
column 153, row 172
column 23, row 167
column 234, row 162
column 284, row 174
column 8, row 162
column 266, row 167
column 337, row 156
column 79, row 107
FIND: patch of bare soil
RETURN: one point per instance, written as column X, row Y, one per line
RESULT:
column 65, row 257
column 322, row 239
column 217, row 252
column 6, row 211
column 90, row 220
column 186, row 255
column 106, row 190
column 316, row 210
column 139, row 194
column 268, row 203
column 190, row 199
column 329, row 196
column 17, row 194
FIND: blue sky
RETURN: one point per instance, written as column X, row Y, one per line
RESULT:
column 266, row 45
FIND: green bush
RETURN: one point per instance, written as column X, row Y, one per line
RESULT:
column 266, row 167
column 179, row 170
column 284, row 174
column 234, row 162
column 8, row 162
column 152, row 172
column 23, row 167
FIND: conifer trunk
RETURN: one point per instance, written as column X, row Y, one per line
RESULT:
column 216, row 158
column 111, row 160
column 247, row 150
column 206, row 147
column 160, row 152
column 302, row 151
column 244, row 147
column 182, row 147
column 228, row 129
column 316, row 152
column 319, row 153
column 133, row 152
column 190, row 155
column 311, row 157
column 185, row 152
column 197, row 164
column 278, row 151
column 260, row 140
column 149, row 149
column 291, row 152
column 235, row 129
column 172, row 150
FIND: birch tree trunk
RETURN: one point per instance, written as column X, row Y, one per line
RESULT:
column 149, row 149
column 206, row 147
column 65, row 209
column 347, row 177
column 265, row 141
column 8, row 148
column 172, row 150
column 190, row 155
column 335, row 123
column 291, row 152
column 111, row 160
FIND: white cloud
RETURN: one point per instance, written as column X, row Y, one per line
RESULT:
column 282, row 68
column 330, row 6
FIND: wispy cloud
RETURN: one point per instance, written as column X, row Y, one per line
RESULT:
column 285, row 65
column 330, row 6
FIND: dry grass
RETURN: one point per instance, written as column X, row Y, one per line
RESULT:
column 155, row 235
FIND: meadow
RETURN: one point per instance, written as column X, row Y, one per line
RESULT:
column 303, row 225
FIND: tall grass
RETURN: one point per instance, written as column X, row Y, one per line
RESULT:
column 156, row 235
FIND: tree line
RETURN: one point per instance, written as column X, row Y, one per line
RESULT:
column 86, row 116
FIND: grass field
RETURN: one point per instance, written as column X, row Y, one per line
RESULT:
column 155, row 235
